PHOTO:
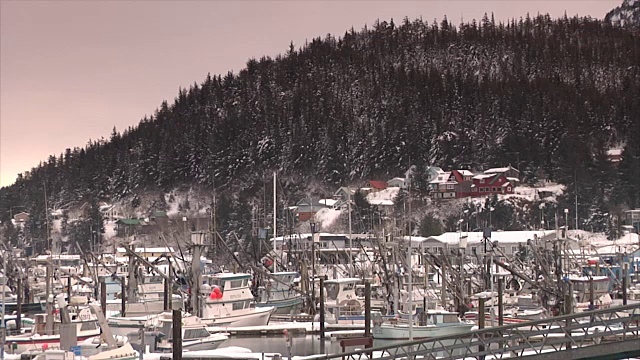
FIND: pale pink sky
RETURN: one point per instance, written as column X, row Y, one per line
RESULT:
column 72, row 70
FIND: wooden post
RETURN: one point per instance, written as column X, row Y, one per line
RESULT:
column 568, row 307
column 591, row 295
column 481, row 319
column 443, row 288
column 166, row 295
column 103, row 296
column 123, row 293
column 19, row 305
column 367, row 309
column 500, row 304
column 322, row 307
column 625, row 283
column 69, row 288
column 177, row 335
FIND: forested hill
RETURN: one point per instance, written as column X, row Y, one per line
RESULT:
column 548, row 95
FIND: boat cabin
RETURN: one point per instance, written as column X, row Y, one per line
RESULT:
column 582, row 287
column 341, row 290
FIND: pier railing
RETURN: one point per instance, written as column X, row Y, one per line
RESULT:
column 588, row 334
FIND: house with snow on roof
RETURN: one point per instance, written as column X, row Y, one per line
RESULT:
column 509, row 172
column 442, row 187
column 503, row 243
column 397, row 182
column 490, row 184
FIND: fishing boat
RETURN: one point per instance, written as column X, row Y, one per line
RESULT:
column 149, row 298
column 195, row 335
column 435, row 323
column 230, row 302
column 39, row 339
column 280, row 293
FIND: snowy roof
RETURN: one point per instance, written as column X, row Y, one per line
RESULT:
column 452, row 238
column 328, row 202
column 396, row 179
column 441, row 179
column 381, row 202
column 387, row 194
column 614, row 152
column 512, row 179
column 465, row 172
column 483, row 176
column 499, row 170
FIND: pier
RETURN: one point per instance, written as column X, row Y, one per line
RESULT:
column 611, row 334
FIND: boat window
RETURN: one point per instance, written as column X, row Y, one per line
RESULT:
column 238, row 305
column 236, row 284
column 88, row 325
column 349, row 286
column 450, row 318
column 245, row 282
column 332, row 291
column 195, row 333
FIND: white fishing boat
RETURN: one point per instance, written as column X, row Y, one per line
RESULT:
column 149, row 299
column 39, row 339
column 437, row 323
column 279, row 292
column 124, row 325
column 230, row 302
column 195, row 335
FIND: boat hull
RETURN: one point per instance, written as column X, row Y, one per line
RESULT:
column 257, row 317
column 283, row 306
column 148, row 307
column 401, row 332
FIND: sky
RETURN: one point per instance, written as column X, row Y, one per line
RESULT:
column 71, row 71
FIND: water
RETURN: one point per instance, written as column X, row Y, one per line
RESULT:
column 300, row 345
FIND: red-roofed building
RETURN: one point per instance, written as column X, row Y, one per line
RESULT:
column 376, row 185
column 489, row 184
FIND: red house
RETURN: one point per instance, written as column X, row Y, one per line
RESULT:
column 489, row 184
column 463, row 179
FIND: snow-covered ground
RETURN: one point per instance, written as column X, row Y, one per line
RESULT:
column 383, row 197
column 327, row 217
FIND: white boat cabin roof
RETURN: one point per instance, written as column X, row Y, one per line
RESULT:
column 230, row 276
column 343, row 281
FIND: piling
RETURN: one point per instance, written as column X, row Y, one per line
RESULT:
column 19, row 306
column 443, row 288
column 568, row 308
column 500, row 304
column 123, row 293
column 166, row 295
column 177, row 335
column 625, row 283
column 322, row 329
column 591, row 295
column 69, row 288
column 481, row 319
column 103, row 296
column 367, row 309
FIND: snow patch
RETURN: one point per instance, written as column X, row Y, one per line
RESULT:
column 326, row 217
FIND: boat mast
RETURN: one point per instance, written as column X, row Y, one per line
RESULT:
column 410, row 288
column 275, row 220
